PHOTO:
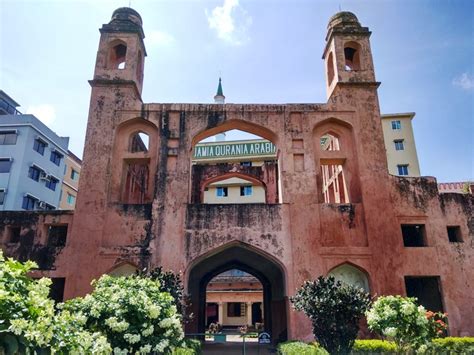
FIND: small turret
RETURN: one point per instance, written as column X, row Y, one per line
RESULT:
column 347, row 54
column 219, row 98
column 121, row 53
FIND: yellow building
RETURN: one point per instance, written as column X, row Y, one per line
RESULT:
column 72, row 172
column 400, row 145
column 233, row 299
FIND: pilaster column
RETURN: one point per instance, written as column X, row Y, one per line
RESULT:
column 249, row 313
column 220, row 313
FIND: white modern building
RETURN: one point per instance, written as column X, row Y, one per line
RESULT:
column 32, row 160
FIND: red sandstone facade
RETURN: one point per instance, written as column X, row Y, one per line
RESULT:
column 140, row 208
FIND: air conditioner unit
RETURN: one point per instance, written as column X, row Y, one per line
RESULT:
column 44, row 176
column 41, row 205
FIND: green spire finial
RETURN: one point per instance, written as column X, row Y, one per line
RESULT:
column 219, row 88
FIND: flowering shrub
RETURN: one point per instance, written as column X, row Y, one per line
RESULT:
column 171, row 282
column 437, row 324
column 133, row 313
column 400, row 319
column 28, row 319
column 335, row 309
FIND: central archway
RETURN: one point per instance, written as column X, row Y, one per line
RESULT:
column 248, row 259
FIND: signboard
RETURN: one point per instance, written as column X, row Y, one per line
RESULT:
column 264, row 338
column 234, row 149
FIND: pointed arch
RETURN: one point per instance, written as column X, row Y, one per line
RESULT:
column 242, row 125
column 337, row 169
column 238, row 255
column 134, row 159
column 116, row 54
column 252, row 180
column 352, row 274
column 124, row 268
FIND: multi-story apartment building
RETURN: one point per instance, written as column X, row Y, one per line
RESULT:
column 402, row 158
column 72, row 172
column 31, row 161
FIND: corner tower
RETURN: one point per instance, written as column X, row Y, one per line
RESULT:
column 347, row 55
column 116, row 90
column 121, row 53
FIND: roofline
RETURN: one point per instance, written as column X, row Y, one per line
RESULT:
column 10, row 98
column 74, row 157
column 400, row 115
column 30, row 124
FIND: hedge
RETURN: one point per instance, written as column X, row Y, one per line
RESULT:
column 442, row 346
column 373, row 346
column 447, row 346
column 193, row 347
column 452, row 345
column 300, row 348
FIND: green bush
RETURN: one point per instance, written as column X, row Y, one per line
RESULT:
column 442, row 346
column 193, row 344
column 335, row 309
column 374, row 346
column 452, row 345
column 300, row 348
column 183, row 351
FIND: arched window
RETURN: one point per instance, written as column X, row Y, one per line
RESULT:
column 330, row 141
column 352, row 56
column 350, row 275
column 139, row 142
column 330, row 68
column 335, row 155
column 233, row 188
column 135, row 153
column 117, row 55
column 235, row 165
column 125, row 269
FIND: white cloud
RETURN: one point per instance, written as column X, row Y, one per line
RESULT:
column 230, row 21
column 46, row 113
column 159, row 38
column 464, row 81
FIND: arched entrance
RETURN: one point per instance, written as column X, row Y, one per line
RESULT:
column 242, row 257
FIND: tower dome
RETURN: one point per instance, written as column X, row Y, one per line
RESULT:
column 125, row 19
column 127, row 14
column 343, row 19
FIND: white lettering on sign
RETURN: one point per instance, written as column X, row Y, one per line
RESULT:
column 234, row 149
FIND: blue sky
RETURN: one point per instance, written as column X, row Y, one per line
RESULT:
column 266, row 51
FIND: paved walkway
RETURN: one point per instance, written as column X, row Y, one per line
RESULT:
column 235, row 348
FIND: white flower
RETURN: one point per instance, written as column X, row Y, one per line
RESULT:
column 154, row 311
column 132, row 338
column 408, row 308
column 390, row 332
column 145, row 349
column 148, row 331
column 118, row 351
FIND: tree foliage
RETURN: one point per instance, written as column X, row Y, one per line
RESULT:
column 335, row 309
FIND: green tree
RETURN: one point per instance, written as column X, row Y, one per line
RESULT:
column 335, row 309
